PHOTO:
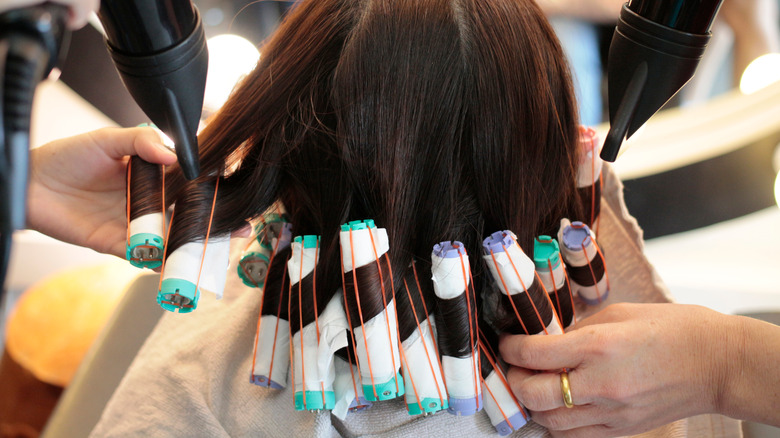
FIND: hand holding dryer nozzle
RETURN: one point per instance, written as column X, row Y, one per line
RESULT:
column 159, row 49
column 654, row 52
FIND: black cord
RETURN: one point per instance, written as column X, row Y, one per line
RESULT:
column 29, row 44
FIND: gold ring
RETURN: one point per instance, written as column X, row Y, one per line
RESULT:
column 566, row 390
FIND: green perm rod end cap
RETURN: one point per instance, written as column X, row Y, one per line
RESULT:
column 315, row 400
column 145, row 250
column 385, row 391
column 358, row 225
column 177, row 294
column 308, row 241
column 429, row 406
column 546, row 249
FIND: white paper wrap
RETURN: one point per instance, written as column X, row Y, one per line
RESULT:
column 364, row 251
column 344, row 388
column 525, row 267
column 377, row 338
column 558, row 274
column 152, row 223
column 184, row 263
column 448, row 278
column 317, row 358
column 462, row 375
column 382, row 348
column 589, row 167
column 301, row 263
column 272, row 355
column 422, row 366
column 497, row 399
column 576, row 257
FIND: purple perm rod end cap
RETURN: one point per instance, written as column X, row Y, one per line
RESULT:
column 265, row 382
column 497, row 241
column 575, row 235
column 517, row 421
column 449, row 250
column 465, row 406
column 359, row 404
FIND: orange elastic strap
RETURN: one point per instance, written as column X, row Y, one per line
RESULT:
column 525, row 288
column 206, row 242
column 360, row 311
column 316, row 312
column 162, row 195
column 592, row 186
column 292, row 355
column 511, row 301
column 430, row 326
column 129, row 166
column 593, row 273
column 552, row 277
column 403, row 357
column 557, row 298
column 422, row 339
column 503, row 414
column 471, row 326
column 384, row 302
column 349, row 321
column 300, row 324
column 276, row 333
column 601, row 185
column 598, row 249
column 500, row 375
column 476, row 318
column 260, row 315
column 165, row 251
column 549, row 300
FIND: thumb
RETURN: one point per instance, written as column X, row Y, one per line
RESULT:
column 145, row 142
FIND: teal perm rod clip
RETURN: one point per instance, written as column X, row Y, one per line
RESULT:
column 314, row 400
column 427, row 406
column 389, row 390
column 253, row 268
column 178, row 295
column 145, row 250
column 273, row 227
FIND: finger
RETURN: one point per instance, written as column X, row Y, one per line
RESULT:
column 144, row 142
column 542, row 352
column 567, row 419
column 542, row 391
column 594, row 431
column 79, row 12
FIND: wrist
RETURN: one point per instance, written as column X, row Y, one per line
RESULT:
column 730, row 365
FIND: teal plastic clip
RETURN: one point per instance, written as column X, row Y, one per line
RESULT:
column 427, row 406
column 177, row 294
column 315, row 400
column 145, row 250
column 385, row 391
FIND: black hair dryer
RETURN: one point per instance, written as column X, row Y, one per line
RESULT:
column 159, row 49
column 655, row 50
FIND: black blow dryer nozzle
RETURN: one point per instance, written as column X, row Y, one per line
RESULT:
column 648, row 64
column 167, row 84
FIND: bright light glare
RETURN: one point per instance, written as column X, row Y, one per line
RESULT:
column 231, row 57
column 761, row 73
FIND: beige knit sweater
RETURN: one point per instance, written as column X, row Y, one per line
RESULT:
column 191, row 378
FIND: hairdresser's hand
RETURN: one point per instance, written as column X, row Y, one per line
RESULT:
column 77, row 185
column 79, row 9
column 632, row 368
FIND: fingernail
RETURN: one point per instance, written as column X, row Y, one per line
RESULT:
column 166, row 149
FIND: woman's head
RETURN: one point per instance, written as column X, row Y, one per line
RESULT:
column 439, row 119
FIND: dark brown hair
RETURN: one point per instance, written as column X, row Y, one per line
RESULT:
column 439, row 119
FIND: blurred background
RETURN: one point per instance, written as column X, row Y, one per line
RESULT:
column 701, row 177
